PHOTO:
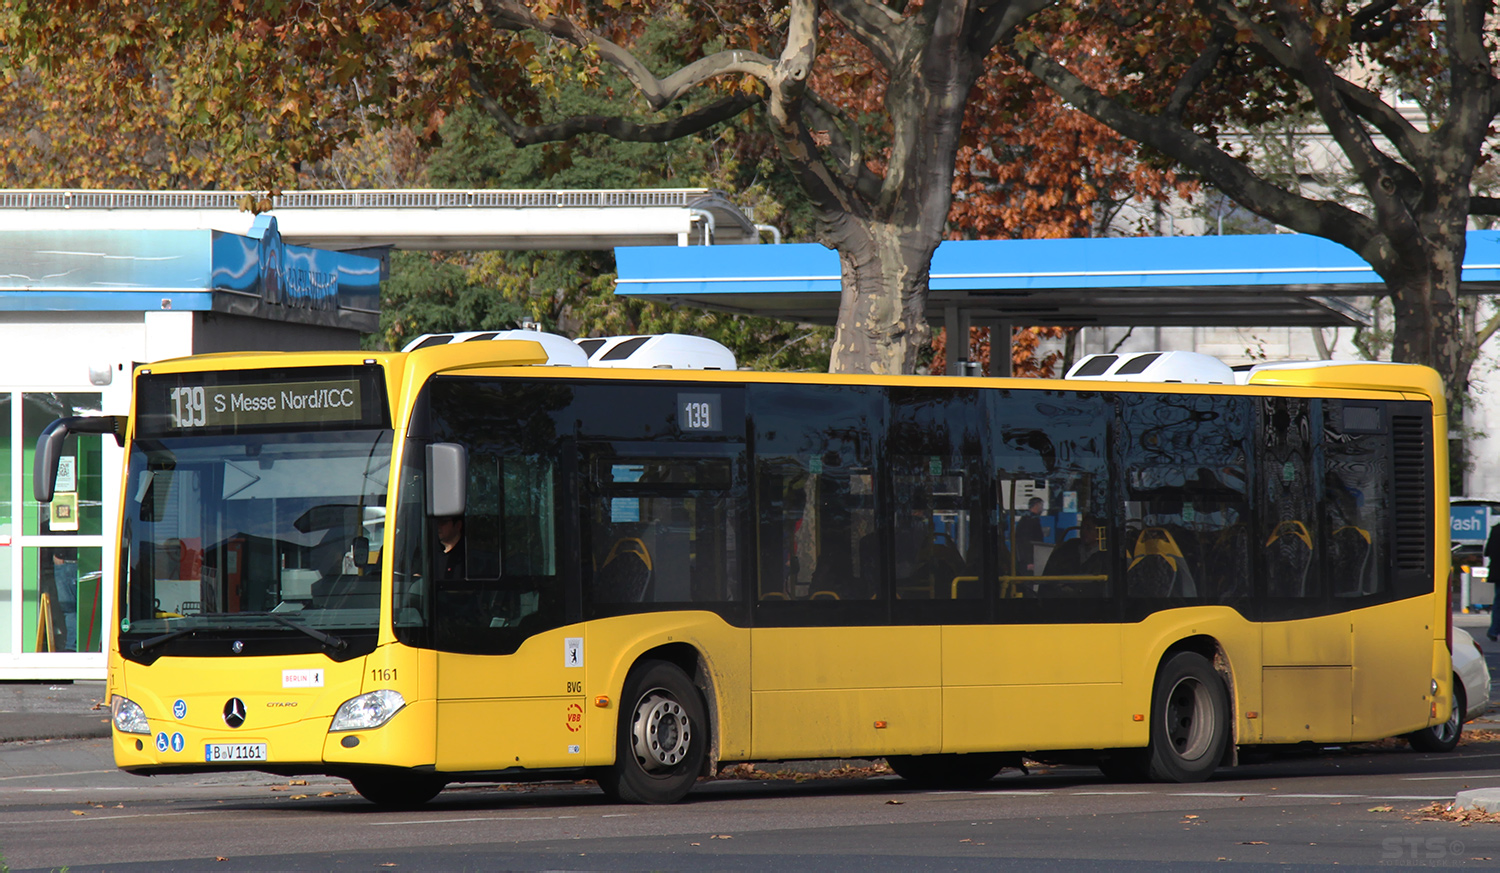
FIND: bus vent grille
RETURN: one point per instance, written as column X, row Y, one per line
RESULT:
column 1413, row 497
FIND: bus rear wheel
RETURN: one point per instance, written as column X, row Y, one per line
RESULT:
column 661, row 738
column 951, row 771
column 1189, row 720
column 1443, row 737
column 398, row 791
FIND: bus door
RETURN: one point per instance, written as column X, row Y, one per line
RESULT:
column 508, row 671
column 1306, row 652
column 829, row 673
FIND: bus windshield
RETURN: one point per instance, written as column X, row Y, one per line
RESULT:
column 271, row 530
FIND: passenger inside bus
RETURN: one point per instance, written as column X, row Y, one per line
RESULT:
column 1081, row 556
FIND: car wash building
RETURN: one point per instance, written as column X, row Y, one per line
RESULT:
column 79, row 308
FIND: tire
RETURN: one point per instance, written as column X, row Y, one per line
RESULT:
column 398, row 791
column 662, row 737
column 951, row 771
column 1189, row 720
column 1443, row 737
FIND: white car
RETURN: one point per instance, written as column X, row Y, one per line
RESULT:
column 1471, row 696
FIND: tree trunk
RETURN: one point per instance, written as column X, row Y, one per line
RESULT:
column 882, row 327
column 1429, row 329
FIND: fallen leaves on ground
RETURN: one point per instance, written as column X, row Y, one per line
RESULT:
column 749, row 771
column 1441, row 811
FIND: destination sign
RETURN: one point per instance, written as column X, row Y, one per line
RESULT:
column 193, row 406
column 226, row 402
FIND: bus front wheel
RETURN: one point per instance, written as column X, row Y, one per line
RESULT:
column 398, row 791
column 1189, row 720
column 661, row 739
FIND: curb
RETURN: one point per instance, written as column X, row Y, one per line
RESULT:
column 1482, row 799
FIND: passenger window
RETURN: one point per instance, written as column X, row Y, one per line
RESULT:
column 816, row 493
column 494, row 576
column 1052, row 478
column 1286, row 542
column 1186, row 500
column 662, row 530
column 1356, row 449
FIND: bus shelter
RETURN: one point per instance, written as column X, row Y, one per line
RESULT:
column 1231, row 281
column 78, row 309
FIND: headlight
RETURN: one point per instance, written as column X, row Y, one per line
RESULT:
column 128, row 716
column 367, row 711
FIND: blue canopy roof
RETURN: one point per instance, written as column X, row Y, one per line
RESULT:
column 1260, row 280
column 255, row 275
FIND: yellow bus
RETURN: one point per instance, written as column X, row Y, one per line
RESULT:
column 457, row 563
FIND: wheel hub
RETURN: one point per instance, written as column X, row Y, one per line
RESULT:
column 1189, row 719
column 662, row 732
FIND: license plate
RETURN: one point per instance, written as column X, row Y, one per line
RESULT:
column 232, row 752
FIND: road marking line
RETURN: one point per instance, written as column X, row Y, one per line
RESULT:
column 1105, row 793
column 979, row 792
column 1458, row 776
column 461, row 820
column 1216, row 794
column 1410, row 797
column 1318, row 796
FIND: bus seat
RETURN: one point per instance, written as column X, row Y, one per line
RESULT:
column 1158, row 568
column 774, row 595
column 626, row 573
column 824, row 595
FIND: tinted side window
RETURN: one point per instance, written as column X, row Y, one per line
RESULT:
column 1290, row 488
column 501, row 572
column 1185, row 465
column 936, row 553
column 663, row 527
column 1357, row 500
column 1055, row 545
column 815, row 495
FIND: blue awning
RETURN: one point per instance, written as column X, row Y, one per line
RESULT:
column 1259, row 280
column 255, row 275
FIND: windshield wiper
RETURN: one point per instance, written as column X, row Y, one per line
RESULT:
column 338, row 644
column 153, row 642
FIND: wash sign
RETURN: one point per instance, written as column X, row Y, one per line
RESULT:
column 1470, row 523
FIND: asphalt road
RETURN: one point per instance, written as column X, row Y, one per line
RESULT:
column 63, row 805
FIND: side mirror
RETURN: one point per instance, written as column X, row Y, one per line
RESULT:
column 49, row 447
column 361, row 551
column 447, row 479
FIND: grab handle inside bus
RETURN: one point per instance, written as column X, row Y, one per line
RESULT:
column 447, row 479
column 49, row 447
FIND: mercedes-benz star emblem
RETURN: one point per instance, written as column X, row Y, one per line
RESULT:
column 237, row 647
column 234, row 712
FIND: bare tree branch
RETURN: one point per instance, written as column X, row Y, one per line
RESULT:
column 877, row 27
column 1001, row 19
column 1484, row 205
column 1199, row 72
column 619, row 128
column 1377, row 172
column 845, row 148
column 1235, row 179
column 1409, row 141
column 658, row 92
